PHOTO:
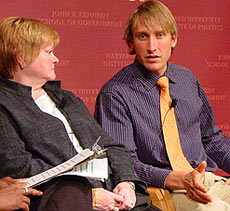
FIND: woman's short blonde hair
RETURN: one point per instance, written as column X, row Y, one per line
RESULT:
column 24, row 38
column 151, row 13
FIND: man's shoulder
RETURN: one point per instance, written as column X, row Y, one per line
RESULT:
column 176, row 67
column 179, row 71
column 123, row 78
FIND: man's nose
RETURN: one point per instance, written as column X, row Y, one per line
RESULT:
column 152, row 44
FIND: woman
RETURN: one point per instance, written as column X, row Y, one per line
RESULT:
column 42, row 125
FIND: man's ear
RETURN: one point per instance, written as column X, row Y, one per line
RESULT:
column 173, row 41
column 131, row 48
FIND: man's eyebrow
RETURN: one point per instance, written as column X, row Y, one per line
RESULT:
column 160, row 31
column 141, row 32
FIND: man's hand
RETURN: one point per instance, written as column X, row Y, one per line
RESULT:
column 192, row 182
column 194, row 186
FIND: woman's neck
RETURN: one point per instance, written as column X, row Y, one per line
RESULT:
column 37, row 89
column 37, row 92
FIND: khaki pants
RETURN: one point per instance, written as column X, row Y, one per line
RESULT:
column 219, row 192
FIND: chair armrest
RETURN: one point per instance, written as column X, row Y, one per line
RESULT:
column 161, row 198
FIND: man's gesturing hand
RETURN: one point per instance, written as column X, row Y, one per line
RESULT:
column 193, row 184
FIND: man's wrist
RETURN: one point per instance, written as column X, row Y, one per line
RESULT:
column 175, row 180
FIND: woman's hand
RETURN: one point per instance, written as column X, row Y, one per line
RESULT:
column 124, row 189
column 106, row 200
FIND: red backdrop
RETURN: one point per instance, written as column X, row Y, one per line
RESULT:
column 92, row 49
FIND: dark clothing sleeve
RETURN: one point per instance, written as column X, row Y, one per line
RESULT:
column 216, row 145
column 16, row 160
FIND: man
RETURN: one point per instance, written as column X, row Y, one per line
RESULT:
column 128, row 109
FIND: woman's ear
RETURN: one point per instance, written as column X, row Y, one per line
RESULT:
column 21, row 60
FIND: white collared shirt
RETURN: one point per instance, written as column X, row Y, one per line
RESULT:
column 46, row 104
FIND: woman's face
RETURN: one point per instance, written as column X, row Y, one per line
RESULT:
column 42, row 69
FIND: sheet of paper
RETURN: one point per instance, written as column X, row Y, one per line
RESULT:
column 57, row 170
column 95, row 169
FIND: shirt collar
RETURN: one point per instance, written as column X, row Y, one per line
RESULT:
column 171, row 73
column 24, row 90
column 148, row 78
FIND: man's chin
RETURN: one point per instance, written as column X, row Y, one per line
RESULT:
column 156, row 68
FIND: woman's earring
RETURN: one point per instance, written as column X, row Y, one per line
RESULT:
column 22, row 66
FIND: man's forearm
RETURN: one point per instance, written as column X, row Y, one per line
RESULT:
column 174, row 180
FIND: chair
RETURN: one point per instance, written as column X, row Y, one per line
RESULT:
column 161, row 198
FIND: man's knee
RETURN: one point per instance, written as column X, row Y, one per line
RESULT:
column 182, row 202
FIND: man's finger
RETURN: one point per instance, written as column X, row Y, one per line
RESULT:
column 199, row 196
column 204, row 197
column 201, row 167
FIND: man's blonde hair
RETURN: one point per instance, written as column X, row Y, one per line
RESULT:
column 24, row 38
column 151, row 13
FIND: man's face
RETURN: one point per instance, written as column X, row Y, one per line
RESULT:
column 152, row 47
